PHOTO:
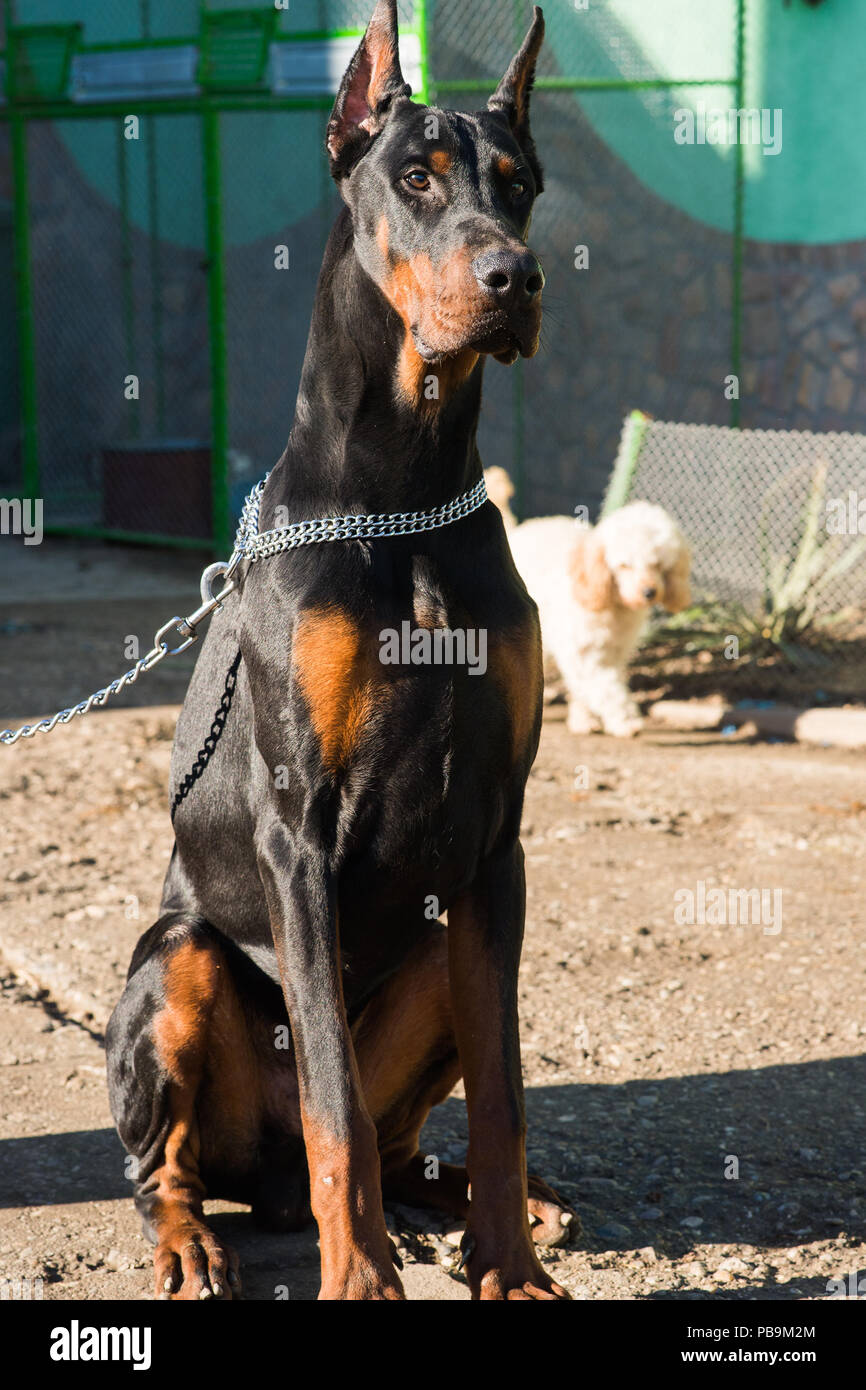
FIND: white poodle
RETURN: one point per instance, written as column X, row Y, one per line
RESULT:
column 594, row 587
column 500, row 490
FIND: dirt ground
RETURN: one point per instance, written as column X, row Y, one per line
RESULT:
column 697, row 1091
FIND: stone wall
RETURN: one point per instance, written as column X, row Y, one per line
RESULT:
column 804, row 337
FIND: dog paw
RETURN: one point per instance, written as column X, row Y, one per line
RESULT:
column 362, row 1282
column 552, row 1221
column 516, row 1278
column 190, row 1263
column 624, row 728
column 581, row 721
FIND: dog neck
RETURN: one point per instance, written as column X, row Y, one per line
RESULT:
column 357, row 445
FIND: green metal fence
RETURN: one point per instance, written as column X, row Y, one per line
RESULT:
column 164, row 192
column 151, row 146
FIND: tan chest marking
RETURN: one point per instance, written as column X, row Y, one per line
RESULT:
column 340, row 678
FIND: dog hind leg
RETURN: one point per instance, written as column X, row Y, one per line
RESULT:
column 179, row 1021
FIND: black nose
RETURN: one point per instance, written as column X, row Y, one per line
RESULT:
column 512, row 277
column 649, row 593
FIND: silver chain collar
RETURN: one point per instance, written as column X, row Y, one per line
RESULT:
column 252, row 545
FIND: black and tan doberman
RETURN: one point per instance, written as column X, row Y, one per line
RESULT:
column 291, row 1018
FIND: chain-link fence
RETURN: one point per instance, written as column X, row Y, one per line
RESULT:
column 164, row 205
column 776, row 521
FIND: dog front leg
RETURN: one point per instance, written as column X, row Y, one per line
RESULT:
column 339, row 1135
column 598, row 695
column 485, row 930
column 613, row 703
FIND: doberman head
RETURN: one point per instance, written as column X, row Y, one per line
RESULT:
column 441, row 204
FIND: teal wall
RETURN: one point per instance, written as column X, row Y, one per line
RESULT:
column 273, row 166
column 810, row 63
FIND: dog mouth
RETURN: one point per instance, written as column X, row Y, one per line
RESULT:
column 504, row 347
column 502, row 341
column 506, row 338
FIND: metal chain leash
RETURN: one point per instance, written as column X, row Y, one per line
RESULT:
column 206, row 752
column 251, row 545
column 185, row 628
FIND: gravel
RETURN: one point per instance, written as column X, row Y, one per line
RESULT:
column 696, row 1091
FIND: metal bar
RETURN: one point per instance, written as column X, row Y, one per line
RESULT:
column 622, row 473
column 24, row 308
column 173, row 106
column 124, row 45
column 107, row 533
column 421, row 23
column 592, row 84
column 304, row 34
column 154, row 267
column 739, row 217
column 126, row 272
column 216, row 318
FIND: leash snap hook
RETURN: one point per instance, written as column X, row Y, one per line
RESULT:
column 186, row 627
column 209, row 601
column 180, row 627
column 220, row 569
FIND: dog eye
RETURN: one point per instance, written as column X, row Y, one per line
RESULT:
column 519, row 189
column 416, row 178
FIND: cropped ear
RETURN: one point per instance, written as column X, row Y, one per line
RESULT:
column 591, row 578
column 511, row 97
column 677, row 591
column 371, row 82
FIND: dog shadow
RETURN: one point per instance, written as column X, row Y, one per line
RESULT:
column 771, row 1157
